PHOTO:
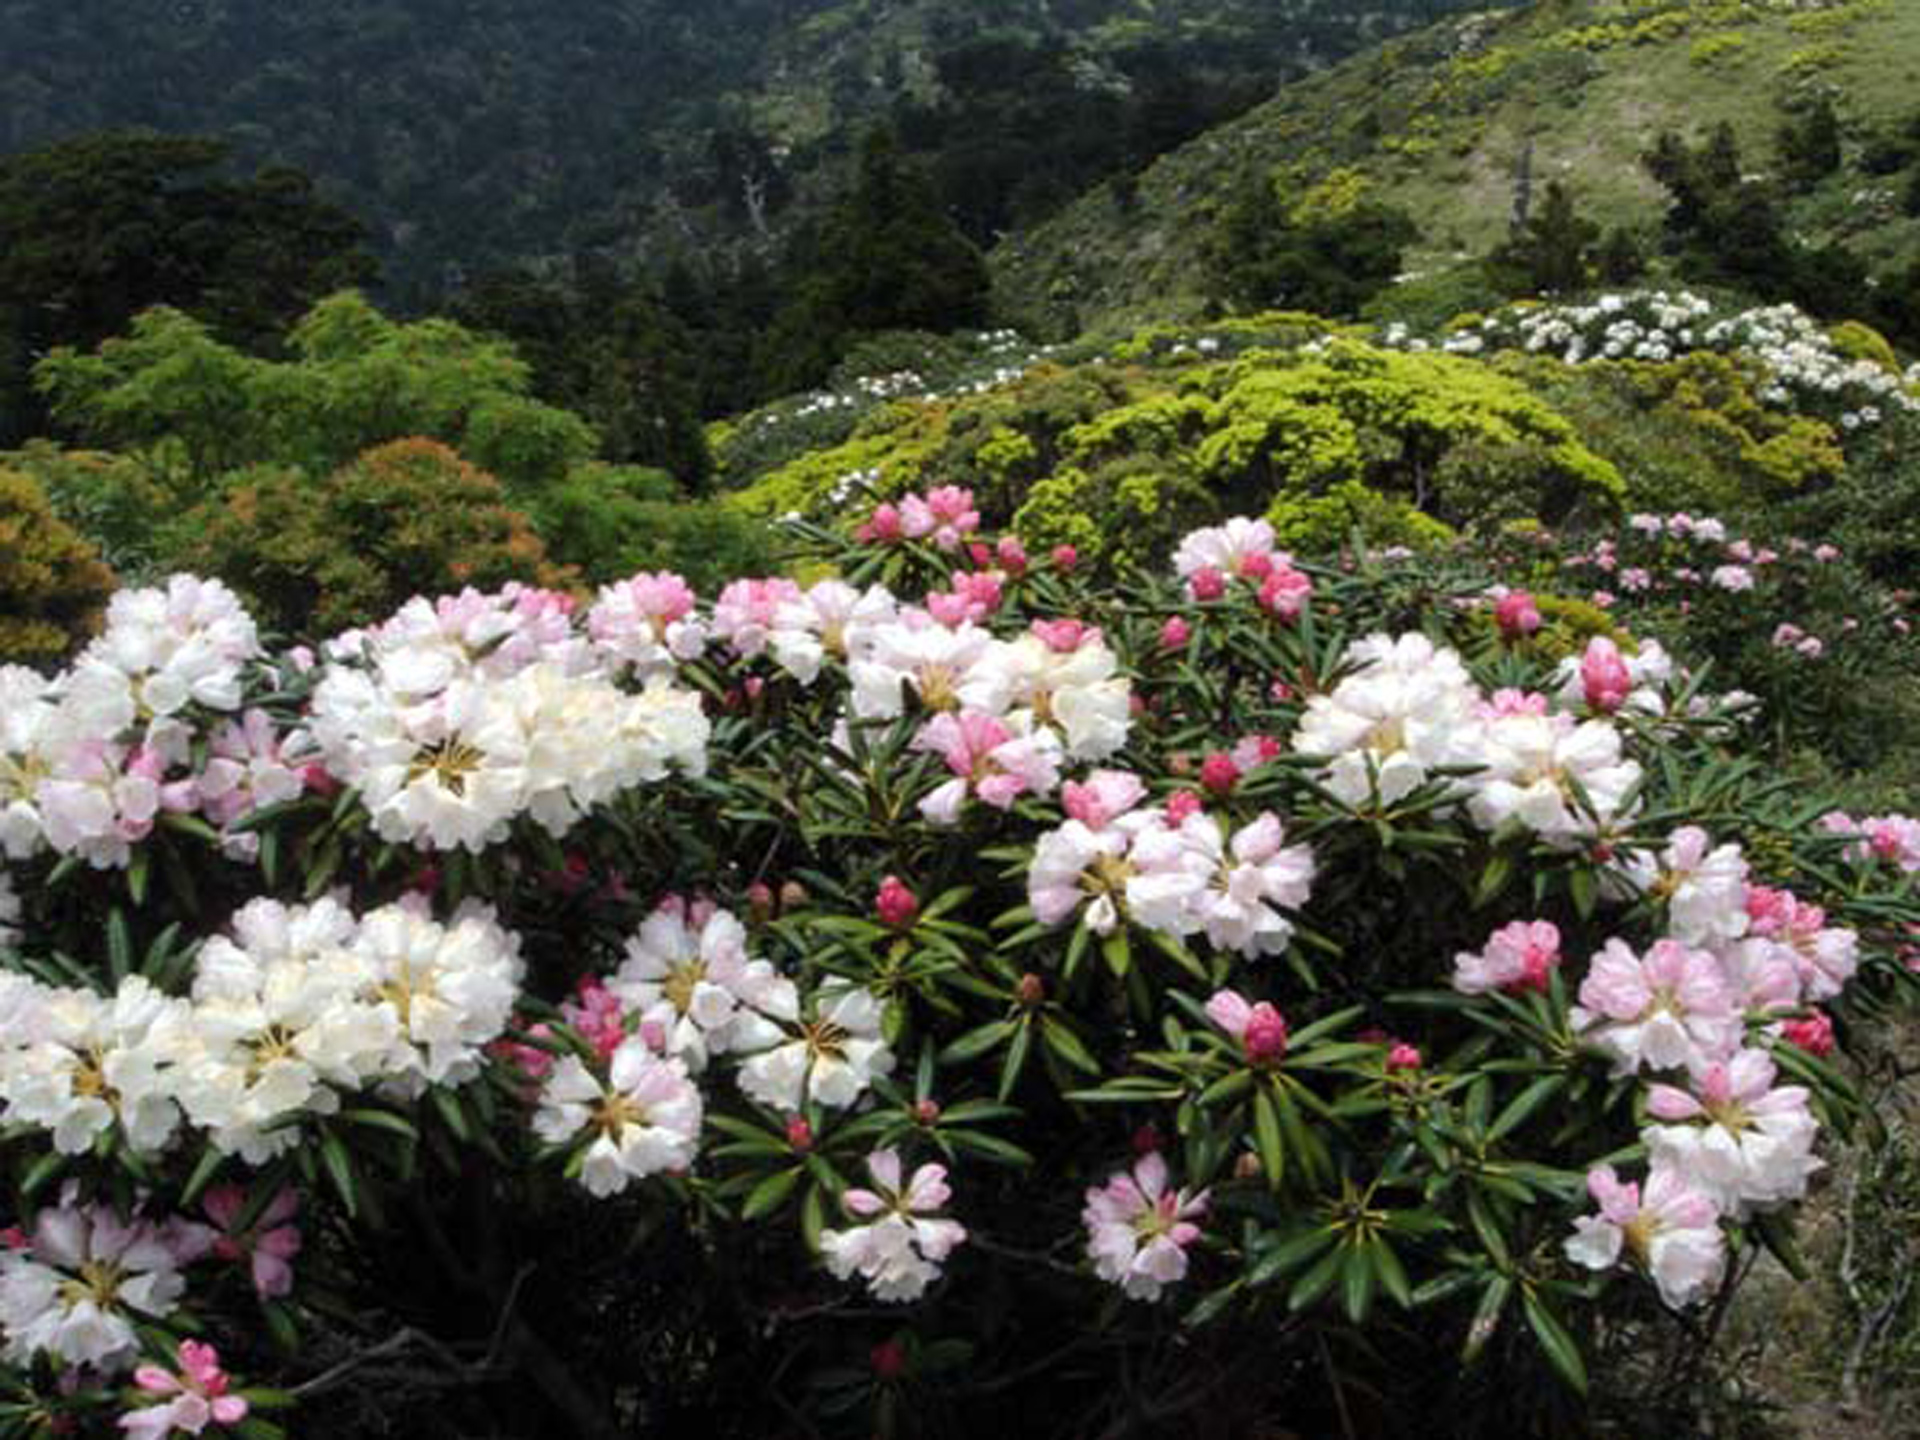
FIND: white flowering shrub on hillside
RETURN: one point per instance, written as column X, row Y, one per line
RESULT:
column 938, row 983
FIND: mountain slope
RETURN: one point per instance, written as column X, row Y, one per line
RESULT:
column 1438, row 123
column 469, row 132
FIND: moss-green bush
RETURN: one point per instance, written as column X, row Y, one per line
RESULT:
column 315, row 556
column 53, row 585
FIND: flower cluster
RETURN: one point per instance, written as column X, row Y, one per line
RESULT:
column 298, row 1007
column 1702, row 1006
column 1802, row 364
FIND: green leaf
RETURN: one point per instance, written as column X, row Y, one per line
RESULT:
column 1016, row 1059
column 1317, row 1281
column 1555, row 1340
column 1267, row 1137
column 1356, row 1282
column 1486, row 1317
column 203, row 1173
column 339, row 1168
column 1291, row 1254
column 771, row 1193
column 1523, row 1105
column 1064, row 1043
column 119, row 944
column 977, row 1042
column 1390, row 1272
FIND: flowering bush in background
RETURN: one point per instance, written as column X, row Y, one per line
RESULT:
column 948, row 978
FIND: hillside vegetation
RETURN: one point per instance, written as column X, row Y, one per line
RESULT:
column 470, row 135
column 1438, row 124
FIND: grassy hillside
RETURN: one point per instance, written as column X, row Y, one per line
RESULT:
column 1437, row 122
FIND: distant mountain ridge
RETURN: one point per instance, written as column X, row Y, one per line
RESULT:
column 472, row 132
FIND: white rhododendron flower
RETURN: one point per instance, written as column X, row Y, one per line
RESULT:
column 29, row 731
column 830, row 1058
column 644, row 1116
column 1064, row 674
column 92, row 1063
column 85, row 1279
column 451, row 987
column 1406, row 709
column 1190, row 879
column 687, row 975
column 831, row 619
column 162, row 649
column 1535, row 761
column 1226, row 548
column 1734, row 1134
column 940, row 666
column 1672, row 1231
column 900, row 1244
column 282, row 1013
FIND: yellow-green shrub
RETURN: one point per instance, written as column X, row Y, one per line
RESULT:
column 53, row 585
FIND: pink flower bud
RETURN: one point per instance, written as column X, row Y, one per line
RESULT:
column 1265, row 1039
column 1604, row 673
column 1031, row 990
column 760, row 900
column 1517, row 615
column 896, row 905
column 1011, row 554
column 980, row 554
column 1403, row 1056
column 1183, row 803
column 1813, row 1035
column 1146, row 1140
column 799, row 1134
column 792, row 895
column 883, row 526
column 1219, row 774
column 889, row 1360
column 1175, row 633
column 926, row 1112
column 1256, row 567
column 1065, row 557
column 1206, row 583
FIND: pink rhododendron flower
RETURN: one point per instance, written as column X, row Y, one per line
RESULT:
column 1285, row 592
column 197, row 1396
column 1065, row 557
column 945, row 515
column 900, row 1245
column 1666, row 1009
column 989, row 759
column 268, row 1248
column 1518, row 957
column 1063, row 637
column 1138, row 1229
column 1102, row 798
column 883, row 527
column 746, row 613
column 1673, row 1232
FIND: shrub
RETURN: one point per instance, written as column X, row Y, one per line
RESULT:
column 316, row 556
column 610, row 521
column 53, row 585
column 960, row 1006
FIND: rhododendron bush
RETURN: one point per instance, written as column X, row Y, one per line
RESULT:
column 939, row 981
